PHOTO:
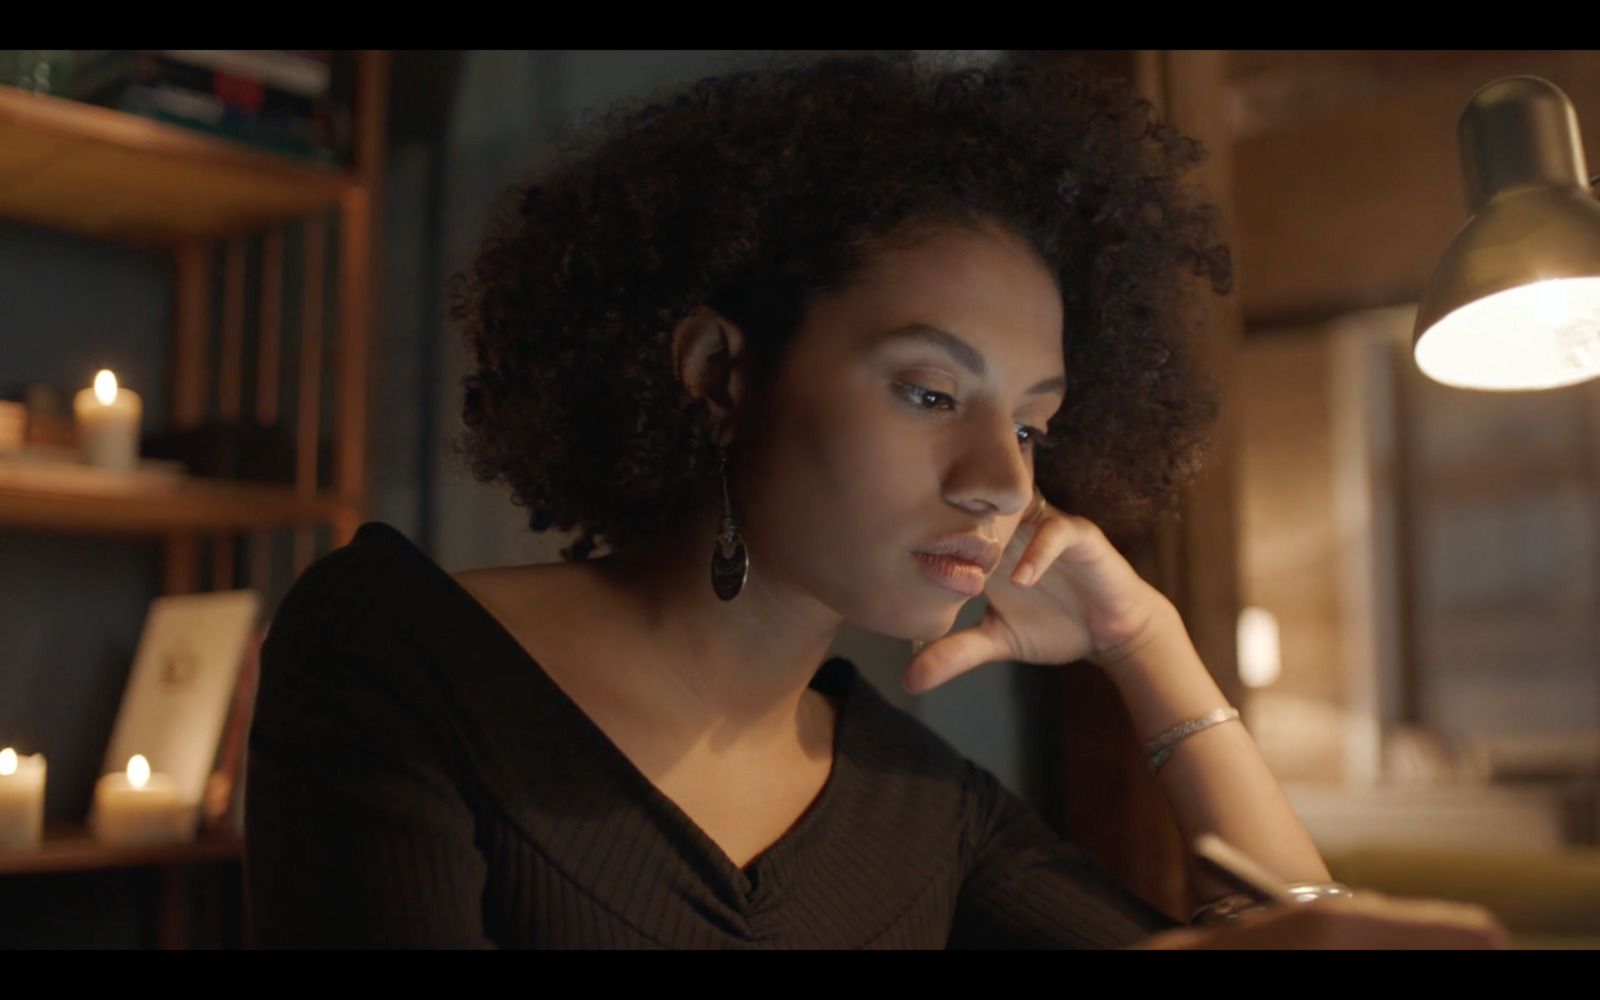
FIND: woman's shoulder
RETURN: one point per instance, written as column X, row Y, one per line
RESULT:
column 360, row 588
column 377, row 606
column 377, row 630
column 373, row 555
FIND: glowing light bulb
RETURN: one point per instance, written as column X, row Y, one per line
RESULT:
column 8, row 761
column 1537, row 336
column 138, row 770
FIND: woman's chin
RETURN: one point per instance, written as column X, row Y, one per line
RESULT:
column 920, row 622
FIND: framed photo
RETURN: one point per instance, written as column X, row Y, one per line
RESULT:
column 182, row 686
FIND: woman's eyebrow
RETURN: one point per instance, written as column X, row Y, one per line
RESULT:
column 964, row 354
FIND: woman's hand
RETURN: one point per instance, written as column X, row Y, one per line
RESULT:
column 1366, row 921
column 1083, row 601
column 1061, row 593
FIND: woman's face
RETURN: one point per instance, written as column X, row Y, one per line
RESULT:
column 899, row 423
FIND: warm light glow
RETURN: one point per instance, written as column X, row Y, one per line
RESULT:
column 105, row 387
column 8, row 761
column 138, row 770
column 1259, row 660
column 1538, row 336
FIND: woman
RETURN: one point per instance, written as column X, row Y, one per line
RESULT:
column 854, row 341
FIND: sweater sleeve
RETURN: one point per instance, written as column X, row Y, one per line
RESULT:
column 358, row 833
column 1026, row 887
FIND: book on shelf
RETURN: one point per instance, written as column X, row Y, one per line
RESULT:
column 300, row 138
column 296, row 103
column 42, row 71
column 304, row 72
column 235, row 96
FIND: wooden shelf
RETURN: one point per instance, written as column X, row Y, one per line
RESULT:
column 59, row 496
column 113, row 175
column 76, row 850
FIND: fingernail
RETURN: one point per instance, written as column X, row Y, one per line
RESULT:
column 1023, row 575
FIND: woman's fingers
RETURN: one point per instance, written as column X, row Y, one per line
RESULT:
column 1371, row 921
column 1367, row 921
column 954, row 655
column 1054, row 535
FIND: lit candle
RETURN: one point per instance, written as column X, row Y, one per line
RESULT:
column 108, row 424
column 138, row 807
column 21, row 799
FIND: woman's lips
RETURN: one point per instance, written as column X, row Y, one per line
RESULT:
column 960, row 575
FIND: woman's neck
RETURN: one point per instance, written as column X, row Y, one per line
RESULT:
column 738, row 668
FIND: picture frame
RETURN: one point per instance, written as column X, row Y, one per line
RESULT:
column 181, row 689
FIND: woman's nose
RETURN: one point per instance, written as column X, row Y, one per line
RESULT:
column 990, row 474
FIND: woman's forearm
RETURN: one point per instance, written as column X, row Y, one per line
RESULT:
column 1216, row 780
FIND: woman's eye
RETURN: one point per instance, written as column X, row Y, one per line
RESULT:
column 926, row 399
column 1029, row 435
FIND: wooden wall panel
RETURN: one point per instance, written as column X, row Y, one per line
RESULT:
column 1347, row 173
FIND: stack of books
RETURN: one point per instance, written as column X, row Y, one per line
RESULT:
column 295, row 102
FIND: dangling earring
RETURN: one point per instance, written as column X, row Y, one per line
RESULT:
column 730, row 563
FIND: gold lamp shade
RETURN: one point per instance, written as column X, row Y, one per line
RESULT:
column 1515, row 303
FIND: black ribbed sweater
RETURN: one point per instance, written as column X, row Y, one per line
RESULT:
column 416, row 780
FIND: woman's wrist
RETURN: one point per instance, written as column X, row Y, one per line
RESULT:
column 1158, row 621
column 1159, row 674
column 1216, row 781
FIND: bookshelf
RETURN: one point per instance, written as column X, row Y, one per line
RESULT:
column 68, row 849
column 67, row 498
column 111, row 175
column 194, row 881
column 291, row 243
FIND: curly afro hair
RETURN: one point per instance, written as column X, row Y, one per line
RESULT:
column 750, row 193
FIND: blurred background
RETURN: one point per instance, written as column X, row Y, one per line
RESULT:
column 1398, row 583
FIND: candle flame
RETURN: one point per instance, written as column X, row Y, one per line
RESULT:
column 105, row 387
column 8, row 761
column 138, row 770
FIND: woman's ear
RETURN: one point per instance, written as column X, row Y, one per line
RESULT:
column 707, row 354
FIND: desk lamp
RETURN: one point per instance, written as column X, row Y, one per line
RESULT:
column 1515, row 303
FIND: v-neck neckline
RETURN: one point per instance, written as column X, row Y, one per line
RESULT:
column 754, row 880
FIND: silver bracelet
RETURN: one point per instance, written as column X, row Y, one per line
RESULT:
column 1310, row 892
column 1231, row 907
column 1160, row 748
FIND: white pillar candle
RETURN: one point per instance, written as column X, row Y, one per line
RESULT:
column 108, row 424
column 138, row 807
column 21, row 799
